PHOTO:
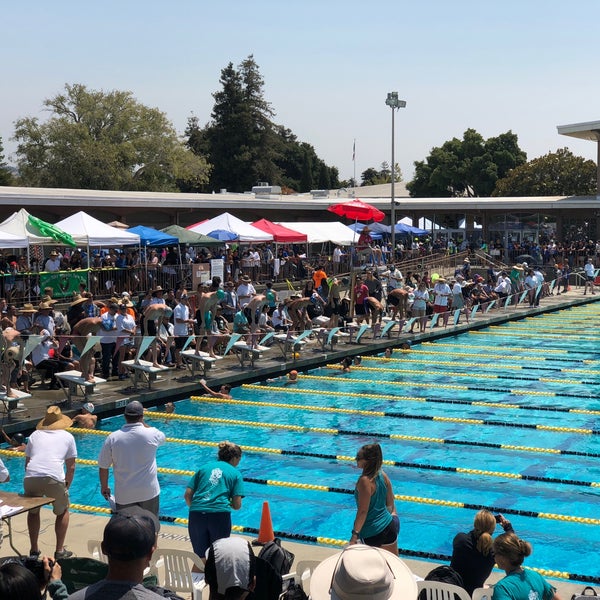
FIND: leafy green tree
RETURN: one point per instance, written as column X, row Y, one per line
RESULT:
column 559, row 173
column 306, row 181
column 104, row 140
column 372, row 176
column 6, row 177
column 467, row 167
column 245, row 146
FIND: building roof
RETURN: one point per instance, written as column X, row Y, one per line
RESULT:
column 584, row 131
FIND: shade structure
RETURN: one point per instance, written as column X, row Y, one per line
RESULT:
column 19, row 224
column 227, row 222
column 358, row 227
column 153, row 237
column 196, row 224
column 357, row 210
column 88, row 231
column 9, row 240
column 223, row 235
column 319, row 232
column 281, row 234
column 190, row 237
column 118, row 225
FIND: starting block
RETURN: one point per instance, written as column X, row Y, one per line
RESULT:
column 71, row 383
column 144, row 372
column 195, row 359
column 14, row 404
column 246, row 352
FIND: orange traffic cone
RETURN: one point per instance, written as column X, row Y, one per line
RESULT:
column 265, row 533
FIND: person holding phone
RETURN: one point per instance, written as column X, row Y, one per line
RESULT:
column 472, row 552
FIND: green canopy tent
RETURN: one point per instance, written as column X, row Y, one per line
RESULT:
column 185, row 236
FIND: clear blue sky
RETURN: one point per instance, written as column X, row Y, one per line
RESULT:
column 523, row 65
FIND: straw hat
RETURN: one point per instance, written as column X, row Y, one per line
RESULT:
column 54, row 419
column 246, row 279
column 361, row 571
column 28, row 308
column 48, row 299
column 77, row 299
column 466, row 260
column 44, row 306
column 440, row 280
column 54, row 253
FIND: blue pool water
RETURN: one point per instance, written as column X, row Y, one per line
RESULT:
column 527, row 386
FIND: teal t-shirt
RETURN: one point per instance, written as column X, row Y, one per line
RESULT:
column 378, row 517
column 214, row 485
column 523, row 585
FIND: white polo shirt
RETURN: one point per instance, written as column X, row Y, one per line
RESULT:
column 131, row 451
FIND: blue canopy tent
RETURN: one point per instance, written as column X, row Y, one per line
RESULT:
column 153, row 237
column 374, row 227
column 402, row 228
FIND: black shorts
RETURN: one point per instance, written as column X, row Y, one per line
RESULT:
column 180, row 341
column 393, row 300
column 385, row 537
column 360, row 309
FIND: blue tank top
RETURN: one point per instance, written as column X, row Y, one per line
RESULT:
column 378, row 517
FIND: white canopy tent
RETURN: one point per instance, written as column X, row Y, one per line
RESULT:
column 86, row 230
column 9, row 240
column 227, row 222
column 319, row 232
column 18, row 225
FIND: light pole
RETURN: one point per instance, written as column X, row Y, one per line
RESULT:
column 394, row 103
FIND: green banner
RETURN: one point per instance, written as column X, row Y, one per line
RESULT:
column 63, row 283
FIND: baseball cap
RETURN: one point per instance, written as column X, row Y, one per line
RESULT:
column 130, row 534
column 134, row 409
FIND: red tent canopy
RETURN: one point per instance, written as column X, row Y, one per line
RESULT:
column 281, row 234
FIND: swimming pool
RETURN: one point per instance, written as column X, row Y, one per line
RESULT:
column 504, row 418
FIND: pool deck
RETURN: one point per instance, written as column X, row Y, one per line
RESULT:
column 110, row 398
column 84, row 527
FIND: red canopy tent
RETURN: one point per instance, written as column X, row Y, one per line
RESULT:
column 281, row 234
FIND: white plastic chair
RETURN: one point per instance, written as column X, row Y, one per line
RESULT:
column 173, row 570
column 482, row 593
column 436, row 590
column 304, row 571
column 95, row 550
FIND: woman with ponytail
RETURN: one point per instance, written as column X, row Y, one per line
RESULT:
column 472, row 552
column 519, row 583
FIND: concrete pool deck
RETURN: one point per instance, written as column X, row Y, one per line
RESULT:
column 84, row 527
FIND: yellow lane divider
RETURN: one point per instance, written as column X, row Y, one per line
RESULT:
column 539, row 335
column 311, row 407
column 443, row 386
column 486, row 347
column 456, row 374
column 399, row 497
column 487, row 365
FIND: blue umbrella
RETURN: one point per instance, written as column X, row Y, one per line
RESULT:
column 223, row 235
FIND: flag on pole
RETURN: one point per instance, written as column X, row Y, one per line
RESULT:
column 354, row 151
